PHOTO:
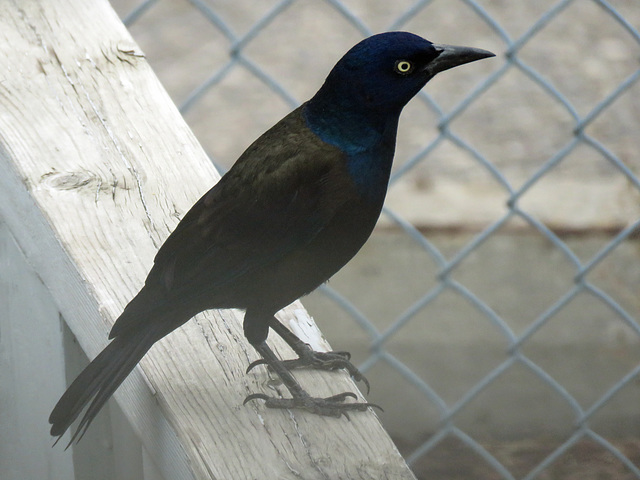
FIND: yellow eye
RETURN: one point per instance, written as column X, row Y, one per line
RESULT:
column 404, row 67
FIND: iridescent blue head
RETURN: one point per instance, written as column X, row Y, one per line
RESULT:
column 366, row 90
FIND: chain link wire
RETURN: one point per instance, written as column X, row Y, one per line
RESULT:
column 577, row 127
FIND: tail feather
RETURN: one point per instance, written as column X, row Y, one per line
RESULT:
column 98, row 382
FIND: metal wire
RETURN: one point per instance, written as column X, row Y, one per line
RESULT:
column 514, row 355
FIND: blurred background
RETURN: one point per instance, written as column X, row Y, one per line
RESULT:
column 496, row 309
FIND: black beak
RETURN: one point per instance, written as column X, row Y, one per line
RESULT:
column 451, row 56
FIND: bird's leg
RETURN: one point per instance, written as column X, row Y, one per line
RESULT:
column 333, row 406
column 309, row 358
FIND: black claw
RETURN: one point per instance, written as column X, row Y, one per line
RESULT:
column 255, row 396
column 360, row 377
column 254, row 364
column 375, row 405
column 321, row 361
column 333, row 406
column 340, row 397
column 346, row 355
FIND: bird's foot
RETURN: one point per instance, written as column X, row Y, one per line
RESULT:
column 309, row 358
column 334, row 406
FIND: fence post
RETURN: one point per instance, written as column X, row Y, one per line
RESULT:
column 97, row 167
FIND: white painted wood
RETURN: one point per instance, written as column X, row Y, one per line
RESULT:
column 127, row 449
column 97, row 168
column 31, row 370
column 150, row 471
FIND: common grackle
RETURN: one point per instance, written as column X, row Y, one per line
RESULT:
column 295, row 207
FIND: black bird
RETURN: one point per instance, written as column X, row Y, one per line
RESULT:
column 296, row 206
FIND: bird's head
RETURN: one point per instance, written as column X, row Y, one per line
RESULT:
column 383, row 72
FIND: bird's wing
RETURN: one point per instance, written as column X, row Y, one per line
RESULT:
column 276, row 198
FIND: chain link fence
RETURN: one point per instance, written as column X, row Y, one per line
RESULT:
column 497, row 304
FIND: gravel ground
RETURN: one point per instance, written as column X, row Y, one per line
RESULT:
column 586, row 460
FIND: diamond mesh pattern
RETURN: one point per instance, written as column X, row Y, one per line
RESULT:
column 580, row 121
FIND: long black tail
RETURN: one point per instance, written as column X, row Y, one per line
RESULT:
column 98, row 381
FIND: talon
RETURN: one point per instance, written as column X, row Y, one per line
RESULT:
column 321, row 361
column 340, row 397
column 255, row 396
column 334, row 406
column 346, row 355
column 358, row 377
column 254, row 364
column 375, row 405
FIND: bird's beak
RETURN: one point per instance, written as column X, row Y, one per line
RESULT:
column 451, row 56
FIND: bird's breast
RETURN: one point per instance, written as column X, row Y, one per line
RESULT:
column 370, row 172
column 304, row 269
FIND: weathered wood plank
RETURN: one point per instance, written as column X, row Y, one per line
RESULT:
column 97, row 168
